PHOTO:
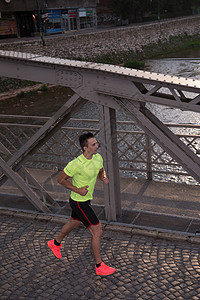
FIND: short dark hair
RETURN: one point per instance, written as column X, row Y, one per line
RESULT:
column 83, row 139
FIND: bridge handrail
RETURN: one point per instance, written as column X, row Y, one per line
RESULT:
column 106, row 68
column 136, row 159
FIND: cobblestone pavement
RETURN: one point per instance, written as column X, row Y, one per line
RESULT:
column 147, row 268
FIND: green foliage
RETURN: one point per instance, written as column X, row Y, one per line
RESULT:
column 123, row 8
column 9, row 84
column 172, row 8
column 137, row 10
column 130, row 9
column 134, row 64
column 173, row 45
column 21, row 94
column 44, row 88
column 133, row 59
column 114, row 58
column 107, row 59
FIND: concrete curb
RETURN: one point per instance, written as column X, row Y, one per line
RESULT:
column 116, row 227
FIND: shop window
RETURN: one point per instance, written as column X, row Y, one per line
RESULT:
column 52, row 23
column 86, row 17
column 72, row 19
column 8, row 26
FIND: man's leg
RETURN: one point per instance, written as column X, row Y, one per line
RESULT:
column 67, row 228
column 101, row 268
column 55, row 245
column 96, row 232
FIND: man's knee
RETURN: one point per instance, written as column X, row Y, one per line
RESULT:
column 74, row 223
column 96, row 230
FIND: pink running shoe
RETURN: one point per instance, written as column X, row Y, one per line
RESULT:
column 55, row 249
column 104, row 270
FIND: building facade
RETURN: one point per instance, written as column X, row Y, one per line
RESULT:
column 27, row 17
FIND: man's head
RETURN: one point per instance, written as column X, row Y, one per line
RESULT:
column 88, row 142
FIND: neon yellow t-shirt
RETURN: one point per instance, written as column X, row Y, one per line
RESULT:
column 84, row 173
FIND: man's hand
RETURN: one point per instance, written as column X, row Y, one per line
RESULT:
column 64, row 180
column 102, row 176
column 83, row 191
column 105, row 180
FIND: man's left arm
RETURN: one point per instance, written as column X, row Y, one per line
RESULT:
column 102, row 176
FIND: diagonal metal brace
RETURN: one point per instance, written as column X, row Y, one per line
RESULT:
column 34, row 184
column 163, row 136
column 32, row 197
column 44, row 133
column 170, row 134
column 29, row 186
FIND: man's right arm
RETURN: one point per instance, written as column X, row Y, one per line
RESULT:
column 63, row 179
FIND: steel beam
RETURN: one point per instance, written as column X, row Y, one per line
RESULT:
column 176, row 140
column 109, row 150
column 24, row 188
column 45, row 132
column 34, row 185
column 163, row 136
column 112, row 87
column 13, row 168
column 89, row 80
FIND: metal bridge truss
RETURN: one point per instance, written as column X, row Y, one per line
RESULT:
column 113, row 88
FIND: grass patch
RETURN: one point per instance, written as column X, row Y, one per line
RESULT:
column 10, row 84
column 134, row 64
column 155, row 50
column 173, row 45
column 43, row 88
column 21, row 94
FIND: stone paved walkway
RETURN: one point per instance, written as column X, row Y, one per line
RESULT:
column 147, row 267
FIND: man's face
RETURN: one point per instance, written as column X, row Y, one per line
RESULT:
column 92, row 146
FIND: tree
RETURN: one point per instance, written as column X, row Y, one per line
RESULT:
column 130, row 9
column 135, row 10
column 173, row 8
column 123, row 8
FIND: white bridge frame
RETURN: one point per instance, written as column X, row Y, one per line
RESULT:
column 113, row 88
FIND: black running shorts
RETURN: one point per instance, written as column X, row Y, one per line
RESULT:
column 82, row 211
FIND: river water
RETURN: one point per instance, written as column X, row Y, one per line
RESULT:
column 182, row 64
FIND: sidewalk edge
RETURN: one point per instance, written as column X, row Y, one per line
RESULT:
column 117, row 227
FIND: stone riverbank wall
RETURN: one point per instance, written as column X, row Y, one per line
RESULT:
column 119, row 41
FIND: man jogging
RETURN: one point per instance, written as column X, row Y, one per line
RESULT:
column 84, row 171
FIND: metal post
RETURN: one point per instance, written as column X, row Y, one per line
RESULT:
column 58, row 157
column 158, row 10
column 12, row 168
column 40, row 23
column 26, row 190
column 109, row 150
column 165, row 138
column 149, row 158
